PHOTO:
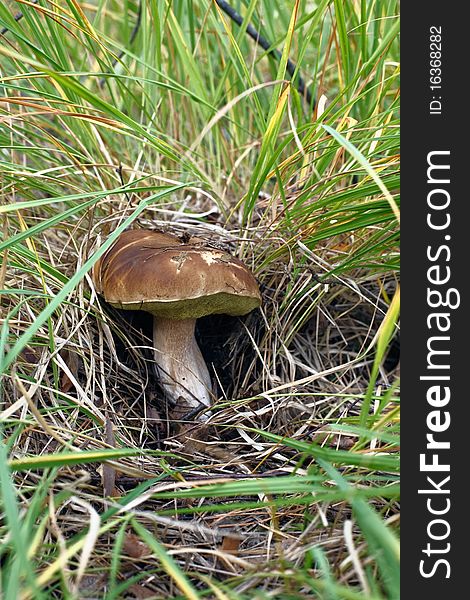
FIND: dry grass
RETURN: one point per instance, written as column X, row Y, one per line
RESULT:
column 291, row 368
column 290, row 489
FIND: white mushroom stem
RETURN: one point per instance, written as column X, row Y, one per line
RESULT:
column 183, row 371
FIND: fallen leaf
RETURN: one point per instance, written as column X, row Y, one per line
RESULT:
column 134, row 547
column 71, row 360
column 231, row 545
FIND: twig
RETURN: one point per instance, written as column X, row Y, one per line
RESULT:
column 266, row 45
column 17, row 18
column 238, row 19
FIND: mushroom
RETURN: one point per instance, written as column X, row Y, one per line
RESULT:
column 177, row 282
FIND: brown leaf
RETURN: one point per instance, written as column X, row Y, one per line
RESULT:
column 116, row 493
column 231, row 545
column 134, row 547
column 71, row 360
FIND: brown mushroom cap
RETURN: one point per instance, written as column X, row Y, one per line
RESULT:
column 153, row 271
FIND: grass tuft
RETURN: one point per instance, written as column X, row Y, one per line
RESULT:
column 166, row 115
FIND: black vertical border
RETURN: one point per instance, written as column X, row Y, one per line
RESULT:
column 423, row 132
